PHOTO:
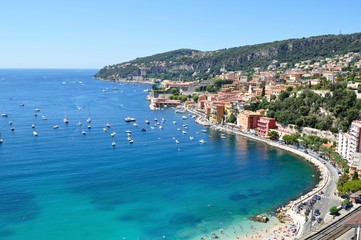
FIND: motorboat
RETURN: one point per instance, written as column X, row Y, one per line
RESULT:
column 83, row 132
column 4, row 115
column 79, row 124
column 33, row 125
column 105, row 129
column 184, row 117
column 65, row 120
column 147, row 121
column 174, row 122
column 55, row 127
column 89, row 126
column 135, row 124
column 12, row 128
column 184, row 132
column 204, row 130
column 35, row 133
column 44, row 117
column 144, row 130
column 161, row 127
column 36, row 110
column 223, row 136
column 114, row 144
column 88, row 120
column 129, row 119
column 131, row 141
column 107, row 125
column 113, row 134
column 176, row 141
column 191, row 138
column 202, row 141
column 128, row 131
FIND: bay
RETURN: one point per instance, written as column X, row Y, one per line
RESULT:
column 66, row 185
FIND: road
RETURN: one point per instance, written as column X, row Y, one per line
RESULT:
column 328, row 198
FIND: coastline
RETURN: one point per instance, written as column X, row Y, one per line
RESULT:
column 290, row 224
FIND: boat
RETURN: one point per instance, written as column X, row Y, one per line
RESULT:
column 135, row 124
column 12, row 128
column 36, row 110
column 33, row 125
column 197, row 133
column 202, row 141
column 184, row 132
column 193, row 116
column 128, row 131
column 176, row 141
column 204, row 130
column 89, row 126
column 4, row 115
column 155, row 119
column 22, row 104
column 55, row 127
column 223, row 136
column 191, row 138
column 113, row 134
column 44, row 117
column 107, row 125
column 35, row 133
column 178, row 129
column 105, row 129
column 128, row 119
column 185, row 125
column 1, row 140
column 184, row 117
column 88, row 120
column 174, row 122
column 113, row 144
column 65, row 120
column 83, row 132
column 147, row 121
column 10, row 123
column 144, row 130
column 131, row 141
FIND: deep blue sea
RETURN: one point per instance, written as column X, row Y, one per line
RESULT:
column 62, row 184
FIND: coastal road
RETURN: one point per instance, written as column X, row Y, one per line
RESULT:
column 328, row 198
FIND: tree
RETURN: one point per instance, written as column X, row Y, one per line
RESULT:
column 273, row 135
column 334, row 210
column 263, row 91
column 174, row 91
column 232, row 118
column 355, row 175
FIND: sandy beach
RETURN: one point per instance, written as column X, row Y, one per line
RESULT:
column 292, row 223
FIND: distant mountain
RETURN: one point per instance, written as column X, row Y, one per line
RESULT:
column 188, row 64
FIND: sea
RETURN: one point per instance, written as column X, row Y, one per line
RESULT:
column 62, row 184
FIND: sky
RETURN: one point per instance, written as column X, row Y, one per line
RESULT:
column 95, row 33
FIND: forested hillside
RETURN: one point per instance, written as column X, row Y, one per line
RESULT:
column 187, row 64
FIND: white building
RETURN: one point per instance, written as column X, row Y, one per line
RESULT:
column 350, row 143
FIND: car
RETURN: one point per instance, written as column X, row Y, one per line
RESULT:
column 316, row 212
column 313, row 218
column 319, row 220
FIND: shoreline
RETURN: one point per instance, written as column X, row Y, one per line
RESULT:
column 292, row 223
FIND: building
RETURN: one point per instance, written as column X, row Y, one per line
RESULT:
column 264, row 125
column 350, row 143
column 217, row 112
column 248, row 120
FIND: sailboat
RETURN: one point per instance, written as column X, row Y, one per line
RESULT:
column 35, row 133
column 1, row 140
column 66, row 121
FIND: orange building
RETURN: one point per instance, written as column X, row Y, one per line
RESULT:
column 264, row 124
column 248, row 120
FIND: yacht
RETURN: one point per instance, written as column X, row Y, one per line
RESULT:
column 147, row 121
column 44, row 117
column 202, row 141
column 223, row 136
column 4, row 115
column 131, row 141
column 83, row 132
column 105, row 129
column 33, row 125
column 144, row 130
column 184, row 117
column 66, row 121
column 113, row 134
column 35, row 133
column 88, row 120
column 107, row 125
column 113, row 144
column 12, row 128
column 204, row 130
column 176, row 141
column 191, row 138
column 55, row 127
column 79, row 124
column 135, row 124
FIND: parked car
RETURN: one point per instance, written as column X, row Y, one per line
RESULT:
column 319, row 220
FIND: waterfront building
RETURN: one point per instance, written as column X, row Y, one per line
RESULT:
column 217, row 112
column 248, row 120
column 264, row 125
column 350, row 143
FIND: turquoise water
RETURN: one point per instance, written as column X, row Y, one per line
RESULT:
column 64, row 185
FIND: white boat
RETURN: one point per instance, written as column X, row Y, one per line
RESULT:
column 44, row 117
column 128, row 131
column 184, row 117
column 176, row 141
column 113, row 144
column 1, row 140
column 36, row 110
column 131, row 141
column 129, row 119
column 55, row 127
column 35, row 133
column 135, row 124
column 178, row 129
column 83, row 132
column 4, row 115
column 33, row 125
column 184, row 132
column 161, row 127
column 10, row 123
column 223, row 136
column 89, row 126
column 174, row 122
column 65, row 120
column 202, row 141
column 88, row 120
column 147, row 121
column 105, row 129
column 193, row 116
column 79, row 124
column 185, row 125
column 197, row 133
column 12, row 128
column 107, row 125
column 204, row 130
column 113, row 134
column 191, row 138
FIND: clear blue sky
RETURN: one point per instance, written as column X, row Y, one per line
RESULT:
column 95, row 33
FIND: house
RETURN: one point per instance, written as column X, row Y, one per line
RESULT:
column 356, row 197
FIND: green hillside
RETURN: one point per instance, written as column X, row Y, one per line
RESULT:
column 187, row 64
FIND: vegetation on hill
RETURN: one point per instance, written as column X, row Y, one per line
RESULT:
column 188, row 64
column 334, row 111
